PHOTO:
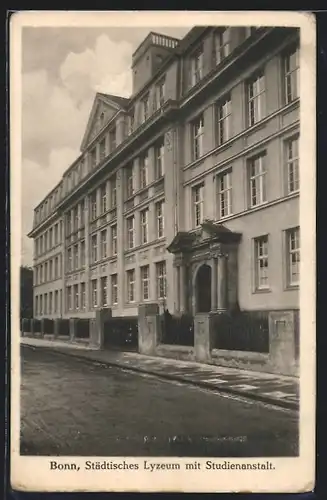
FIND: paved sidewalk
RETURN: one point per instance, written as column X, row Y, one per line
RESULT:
column 270, row 388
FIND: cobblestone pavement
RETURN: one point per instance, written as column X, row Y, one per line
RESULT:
column 271, row 388
column 75, row 406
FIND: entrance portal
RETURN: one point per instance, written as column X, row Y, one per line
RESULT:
column 203, row 289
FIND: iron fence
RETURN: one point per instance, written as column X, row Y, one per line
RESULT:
column 177, row 330
column 242, row 331
column 121, row 333
column 82, row 328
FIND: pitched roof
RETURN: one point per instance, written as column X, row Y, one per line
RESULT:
column 121, row 101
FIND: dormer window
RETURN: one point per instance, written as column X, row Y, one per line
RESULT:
column 222, row 45
column 112, row 139
column 160, row 93
column 131, row 123
column 145, row 107
column 102, row 149
column 197, row 66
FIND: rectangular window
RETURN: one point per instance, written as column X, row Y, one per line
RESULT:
column 293, row 254
column 145, row 282
column 102, row 148
column 197, row 66
column 45, row 241
column 197, row 195
column 56, row 270
column 144, row 168
column 292, row 75
column 50, row 302
column 41, row 305
column 198, row 136
column 93, row 159
column 93, row 203
column 82, row 253
column 114, row 289
column 130, row 285
column 222, row 45
column 50, row 238
column 76, row 297
column 56, row 234
column 45, row 303
column 159, row 159
column 129, row 181
column 224, row 181
column 69, row 260
column 46, row 271
column 41, row 273
column 104, row 291
column 257, row 173
column 55, row 305
column 83, row 203
column 104, row 206
column 94, row 293
column 224, row 120
column 131, row 121
column 161, row 280
column 261, row 258
column 69, row 298
column 94, row 249
column 36, row 308
column 50, row 270
column 130, row 232
column 160, row 218
column 292, row 165
column 256, row 99
column 160, row 94
column 112, row 139
column 83, row 296
column 76, row 263
column 114, row 239
column 113, row 187
column 103, row 244
column 75, row 219
column 144, row 226
column 145, row 107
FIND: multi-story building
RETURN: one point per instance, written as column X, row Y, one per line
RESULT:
column 187, row 193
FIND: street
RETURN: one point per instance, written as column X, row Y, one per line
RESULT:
column 73, row 407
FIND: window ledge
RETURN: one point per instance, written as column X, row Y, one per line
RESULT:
column 262, row 290
column 290, row 288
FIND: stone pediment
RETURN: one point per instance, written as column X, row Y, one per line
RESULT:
column 208, row 232
column 104, row 108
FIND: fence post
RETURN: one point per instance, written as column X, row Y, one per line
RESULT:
column 56, row 328
column 42, row 327
column 72, row 329
column 203, row 337
column 24, row 324
column 148, row 328
column 281, row 341
column 32, row 327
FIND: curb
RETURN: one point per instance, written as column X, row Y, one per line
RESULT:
column 289, row 405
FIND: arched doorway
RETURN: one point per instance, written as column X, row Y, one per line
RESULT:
column 203, row 289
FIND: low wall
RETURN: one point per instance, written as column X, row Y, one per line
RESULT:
column 181, row 352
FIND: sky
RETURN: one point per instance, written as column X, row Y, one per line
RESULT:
column 62, row 69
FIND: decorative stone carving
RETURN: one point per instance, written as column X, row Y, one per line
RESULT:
column 130, row 259
column 159, row 250
column 144, row 255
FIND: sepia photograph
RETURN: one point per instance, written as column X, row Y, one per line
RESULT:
column 161, row 254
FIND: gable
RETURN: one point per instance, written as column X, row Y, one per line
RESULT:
column 101, row 113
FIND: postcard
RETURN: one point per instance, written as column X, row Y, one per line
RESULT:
column 162, row 193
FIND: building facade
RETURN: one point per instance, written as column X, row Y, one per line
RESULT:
column 187, row 193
